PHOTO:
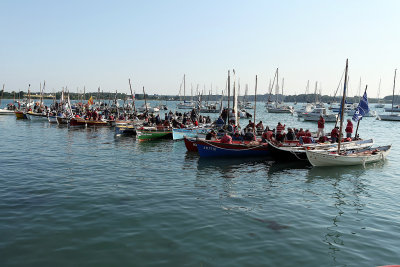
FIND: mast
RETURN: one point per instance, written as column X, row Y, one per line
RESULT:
column 394, row 86
column 255, row 106
column 276, row 88
column 235, row 104
column 343, row 102
column 229, row 94
column 379, row 88
column 184, row 88
column 133, row 98
column 2, row 93
column 283, row 82
column 145, row 101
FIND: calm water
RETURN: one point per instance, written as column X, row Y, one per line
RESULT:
column 85, row 197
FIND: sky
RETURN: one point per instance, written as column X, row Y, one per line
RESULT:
column 154, row 43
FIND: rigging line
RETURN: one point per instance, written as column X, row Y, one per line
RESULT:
column 340, row 82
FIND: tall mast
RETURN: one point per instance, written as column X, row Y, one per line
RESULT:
column 145, row 101
column 276, row 88
column 2, row 93
column 133, row 97
column 255, row 107
column 343, row 102
column 379, row 88
column 394, row 86
column 184, row 87
column 229, row 94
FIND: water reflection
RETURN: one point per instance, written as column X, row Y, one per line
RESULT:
column 228, row 167
column 276, row 168
column 161, row 145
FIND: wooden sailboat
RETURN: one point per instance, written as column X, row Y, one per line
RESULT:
column 346, row 158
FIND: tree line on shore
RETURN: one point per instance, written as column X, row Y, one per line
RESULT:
column 301, row 98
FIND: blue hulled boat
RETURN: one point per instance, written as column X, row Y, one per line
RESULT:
column 235, row 149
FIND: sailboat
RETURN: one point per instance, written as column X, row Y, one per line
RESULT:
column 307, row 107
column 392, row 116
column 9, row 109
column 185, row 104
column 380, row 103
column 352, row 157
column 279, row 107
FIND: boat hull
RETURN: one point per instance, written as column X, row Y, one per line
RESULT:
column 236, row 149
column 391, row 117
column 20, row 115
column 6, row 112
column 125, row 130
column 325, row 159
column 153, row 135
column 36, row 116
column 77, row 122
column 190, row 144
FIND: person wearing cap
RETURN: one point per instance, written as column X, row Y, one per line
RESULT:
column 349, row 128
column 321, row 125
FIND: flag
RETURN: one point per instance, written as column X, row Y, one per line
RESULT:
column 362, row 108
column 90, row 101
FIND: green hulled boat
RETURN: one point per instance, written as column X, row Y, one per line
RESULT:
column 152, row 133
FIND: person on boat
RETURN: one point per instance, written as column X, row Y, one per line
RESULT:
column 237, row 136
column 321, row 125
column 220, row 122
column 226, row 139
column 249, row 136
column 260, row 127
column 250, row 126
column 349, row 128
column 267, row 135
column 335, row 134
column 166, row 123
column 300, row 133
column 290, row 136
column 280, row 128
column 196, row 123
column 211, row 135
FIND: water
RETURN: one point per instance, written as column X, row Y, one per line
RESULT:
column 86, row 197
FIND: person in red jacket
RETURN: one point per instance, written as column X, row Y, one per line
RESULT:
column 300, row 133
column 335, row 134
column 349, row 128
column 321, row 125
column 226, row 139
column 280, row 128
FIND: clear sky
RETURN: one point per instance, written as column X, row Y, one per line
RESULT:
column 103, row 43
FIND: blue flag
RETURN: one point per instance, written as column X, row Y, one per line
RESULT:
column 362, row 108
